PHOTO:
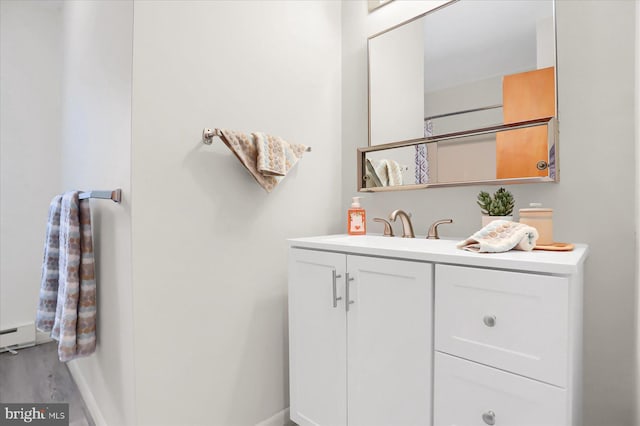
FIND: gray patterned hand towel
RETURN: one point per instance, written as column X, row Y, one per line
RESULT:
column 67, row 305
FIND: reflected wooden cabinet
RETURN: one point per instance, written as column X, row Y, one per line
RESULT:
column 525, row 96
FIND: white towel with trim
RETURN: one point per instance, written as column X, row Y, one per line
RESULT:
column 500, row 236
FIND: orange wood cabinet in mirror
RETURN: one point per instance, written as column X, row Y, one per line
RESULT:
column 525, row 96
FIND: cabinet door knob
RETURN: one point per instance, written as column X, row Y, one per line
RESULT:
column 489, row 417
column 489, row 320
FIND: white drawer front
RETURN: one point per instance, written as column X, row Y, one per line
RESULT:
column 514, row 321
column 470, row 394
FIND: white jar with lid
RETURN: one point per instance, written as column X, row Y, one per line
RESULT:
column 541, row 219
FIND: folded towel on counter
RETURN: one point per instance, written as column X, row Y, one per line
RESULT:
column 500, row 236
column 67, row 305
column 267, row 158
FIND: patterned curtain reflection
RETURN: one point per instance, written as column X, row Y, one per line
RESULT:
column 422, row 165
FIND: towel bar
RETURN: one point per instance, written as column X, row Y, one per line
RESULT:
column 208, row 135
column 115, row 195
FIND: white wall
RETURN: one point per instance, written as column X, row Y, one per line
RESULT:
column 30, row 116
column 596, row 112
column 209, row 246
column 96, row 154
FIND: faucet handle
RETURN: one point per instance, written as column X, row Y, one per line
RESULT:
column 388, row 231
column 433, row 229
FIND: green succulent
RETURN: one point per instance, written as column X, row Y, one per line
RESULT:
column 501, row 204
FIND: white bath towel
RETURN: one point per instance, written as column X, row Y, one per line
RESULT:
column 500, row 236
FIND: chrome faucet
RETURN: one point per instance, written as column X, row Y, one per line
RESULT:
column 433, row 229
column 407, row 228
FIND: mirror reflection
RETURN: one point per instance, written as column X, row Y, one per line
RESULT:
column 459, row 70
column 463, row 158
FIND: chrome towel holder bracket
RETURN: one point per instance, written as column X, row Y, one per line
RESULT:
column 208, row 135
column 115, row 195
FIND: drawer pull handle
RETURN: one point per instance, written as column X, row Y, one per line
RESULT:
column 489, row 418
column 347, row 298
column 489, row 320
column 335, row 292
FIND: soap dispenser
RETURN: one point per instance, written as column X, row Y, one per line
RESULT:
column 356, row 218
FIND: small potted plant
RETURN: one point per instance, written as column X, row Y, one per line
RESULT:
column 500, row 206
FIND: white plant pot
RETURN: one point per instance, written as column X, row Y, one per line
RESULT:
column 486, row 219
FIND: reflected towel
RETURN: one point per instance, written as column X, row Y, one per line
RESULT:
column 68, row 308
column 267, row 158
column 500, row 236
column 388, row 171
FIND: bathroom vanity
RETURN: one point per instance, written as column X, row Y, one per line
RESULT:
column 401, row 331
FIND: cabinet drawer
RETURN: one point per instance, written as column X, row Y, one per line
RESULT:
column 470, row 394
column 513, row 321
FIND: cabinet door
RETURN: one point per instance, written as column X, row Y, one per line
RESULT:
column 389, row 339
column 317, row 338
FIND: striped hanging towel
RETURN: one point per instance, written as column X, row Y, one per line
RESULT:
column 68, row 289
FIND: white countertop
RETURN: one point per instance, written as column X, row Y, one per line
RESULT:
column 445, row 251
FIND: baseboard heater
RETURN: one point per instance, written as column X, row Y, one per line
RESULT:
column 17, row 337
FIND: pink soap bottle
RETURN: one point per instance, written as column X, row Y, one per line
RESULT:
column 356, row 219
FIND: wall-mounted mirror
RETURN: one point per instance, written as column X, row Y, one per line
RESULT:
column 466, row 66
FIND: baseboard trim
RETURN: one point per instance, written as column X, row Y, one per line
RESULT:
column 281, row 418
column 87, row 395
column 42, row 337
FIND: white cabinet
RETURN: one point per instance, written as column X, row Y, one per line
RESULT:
column 503, row 348
column 317, row 339
column 509, row 320
column 433, row 335
column 471, row 394
column 360, row 354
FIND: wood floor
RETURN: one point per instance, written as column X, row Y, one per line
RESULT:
column 35, row 375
